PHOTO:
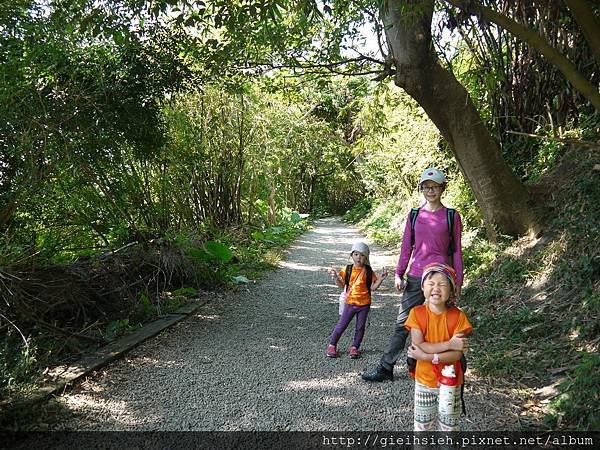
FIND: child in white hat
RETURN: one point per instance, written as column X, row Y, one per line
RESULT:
column 358, row 281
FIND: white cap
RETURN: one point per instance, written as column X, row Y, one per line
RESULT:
column 433, row 175
column 361, row 247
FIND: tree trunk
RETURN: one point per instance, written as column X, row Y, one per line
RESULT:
column 502, row 198
column 7, row 212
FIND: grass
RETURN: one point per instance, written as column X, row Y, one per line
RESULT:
column 382, row 220
column 567, row 408
column 536, row 308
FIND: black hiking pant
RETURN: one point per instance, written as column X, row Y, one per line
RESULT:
column 412, row 296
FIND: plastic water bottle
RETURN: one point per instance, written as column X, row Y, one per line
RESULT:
column 448, row 388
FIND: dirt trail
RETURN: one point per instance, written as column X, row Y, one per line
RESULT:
column 255, row 360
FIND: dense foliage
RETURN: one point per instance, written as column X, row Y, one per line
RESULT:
column 129, row 178
column 149, row 150
column 520, row 103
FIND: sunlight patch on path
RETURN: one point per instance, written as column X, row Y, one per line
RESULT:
column 300, row 266
column 341, row 381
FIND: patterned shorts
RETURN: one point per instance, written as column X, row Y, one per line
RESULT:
column 427, row 407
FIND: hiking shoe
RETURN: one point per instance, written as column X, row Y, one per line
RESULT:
column 378, row 374
column 331, row 351
column 354, row 353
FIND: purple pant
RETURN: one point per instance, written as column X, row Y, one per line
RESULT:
column 361, row 313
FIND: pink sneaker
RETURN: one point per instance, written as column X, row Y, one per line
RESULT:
column 331, row 351
column 354, row 353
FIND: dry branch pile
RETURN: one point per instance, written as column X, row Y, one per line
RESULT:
column 75, row 303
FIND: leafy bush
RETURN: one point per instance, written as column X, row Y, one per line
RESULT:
column 359, row 211
column 117, row 328
column 580, row 391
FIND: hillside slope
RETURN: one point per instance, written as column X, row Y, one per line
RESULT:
column 537, row 303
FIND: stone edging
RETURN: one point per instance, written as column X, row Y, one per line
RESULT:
column 106, row 355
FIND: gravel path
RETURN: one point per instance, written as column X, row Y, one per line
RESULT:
column 255, row 360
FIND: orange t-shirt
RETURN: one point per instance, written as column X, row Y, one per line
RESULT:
column 437, row 331
column 359, row 295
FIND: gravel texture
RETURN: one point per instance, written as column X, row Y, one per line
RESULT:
column 254, row 360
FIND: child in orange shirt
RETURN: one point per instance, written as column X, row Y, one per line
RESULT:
column 433, row 348
column 358, row 301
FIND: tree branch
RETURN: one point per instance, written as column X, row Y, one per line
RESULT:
column 536, row 41
column 557, row 139
column 330, row 67
column 589, row 24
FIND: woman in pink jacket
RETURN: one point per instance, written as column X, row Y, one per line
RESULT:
column 432, row 234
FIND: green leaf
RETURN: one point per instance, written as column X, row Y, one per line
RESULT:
column 118, row 37
column 218, row 251
column 198, row 254
column 240, row 279
column 185, row 291
column 257, row 235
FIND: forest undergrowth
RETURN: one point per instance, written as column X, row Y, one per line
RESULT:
column 534, row 302
column 57, row 313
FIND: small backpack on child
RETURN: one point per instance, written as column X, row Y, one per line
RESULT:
column 346, row 291
column 369, row 279
column 452, row 320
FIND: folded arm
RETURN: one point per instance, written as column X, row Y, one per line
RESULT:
column 448, row 351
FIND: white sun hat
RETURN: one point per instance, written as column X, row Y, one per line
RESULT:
column 433, row 175
column 360, row 246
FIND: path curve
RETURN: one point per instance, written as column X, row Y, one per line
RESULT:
column 254, row 360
